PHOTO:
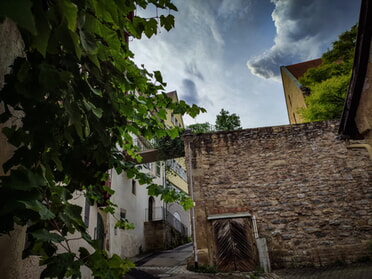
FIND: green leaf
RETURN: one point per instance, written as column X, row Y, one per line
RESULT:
column 20, row 12
column 94, row 60
column 124, row 224
column 88, row 42
column 107, row 12
column 74, row 117
column 97, row 112
column 151, row 27
column 108, row 190
column 41, row 39
column 136, row 27
column 84, row 253
column 71, row 214
column 159, row 78
column 95, row 91
column 167, row 22
column 173, row 133
column 45, row 235
column 75, row 40
column 23, row 179
column 61, row 265
column 69, row 12
column 160, row 133
column 49, row 76
column 115, row 262
column 35, row 205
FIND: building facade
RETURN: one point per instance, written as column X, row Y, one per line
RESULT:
column 294, row 92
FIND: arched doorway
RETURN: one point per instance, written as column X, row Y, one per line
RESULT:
column 177, row 224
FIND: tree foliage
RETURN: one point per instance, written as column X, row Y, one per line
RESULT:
column 199, row 128
column 328, row 83
column 227, row 122
column 82, row 98
column 169, row 147
column 327, row 99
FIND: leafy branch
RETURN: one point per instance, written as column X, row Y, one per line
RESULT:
column 82, row 99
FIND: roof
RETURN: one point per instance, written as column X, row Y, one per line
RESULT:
column 298, row 70
column 348, row 128
column 173, row 95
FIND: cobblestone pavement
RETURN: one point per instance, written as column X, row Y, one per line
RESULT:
column 172, row 264
column 355, row 271
column 363, row 271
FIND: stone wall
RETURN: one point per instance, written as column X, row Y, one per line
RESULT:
column 311, row 195
column 159, row 235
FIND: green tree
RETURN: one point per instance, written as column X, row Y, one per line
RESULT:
column 226, row 121
column 82, row 98
column 199, row 128
column 328, row 83
column 327, row 99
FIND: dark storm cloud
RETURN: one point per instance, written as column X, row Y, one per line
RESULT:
column 189, row 92
column 304, row 30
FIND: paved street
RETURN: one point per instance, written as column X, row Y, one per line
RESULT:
column 356, row 271
column 172, row 264
column 166, row 263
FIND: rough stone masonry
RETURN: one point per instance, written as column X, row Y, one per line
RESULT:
column 311, row 195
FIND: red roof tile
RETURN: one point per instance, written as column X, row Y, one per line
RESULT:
column 298, row 70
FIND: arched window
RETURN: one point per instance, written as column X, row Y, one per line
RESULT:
column 177, row 216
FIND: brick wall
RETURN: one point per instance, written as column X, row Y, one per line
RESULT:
column 311, row 195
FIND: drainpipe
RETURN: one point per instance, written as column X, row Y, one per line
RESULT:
column 263, row 253
column 165, row 186
column 187, row 138
column 255, row 230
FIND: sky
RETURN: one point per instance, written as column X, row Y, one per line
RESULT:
column 227, row 53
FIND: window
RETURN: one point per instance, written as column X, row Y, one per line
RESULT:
column 289, row 99
column 123, row 214
column 148, row 166
column 151, row 209
column 177, row 168
column 158, row 168
column 123, row 218
column 133, row 187
column 100, row 231
column 86, row 212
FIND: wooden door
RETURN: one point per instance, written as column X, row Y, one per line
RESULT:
column 235, row 245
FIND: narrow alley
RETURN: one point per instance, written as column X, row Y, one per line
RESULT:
column 172, row 264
